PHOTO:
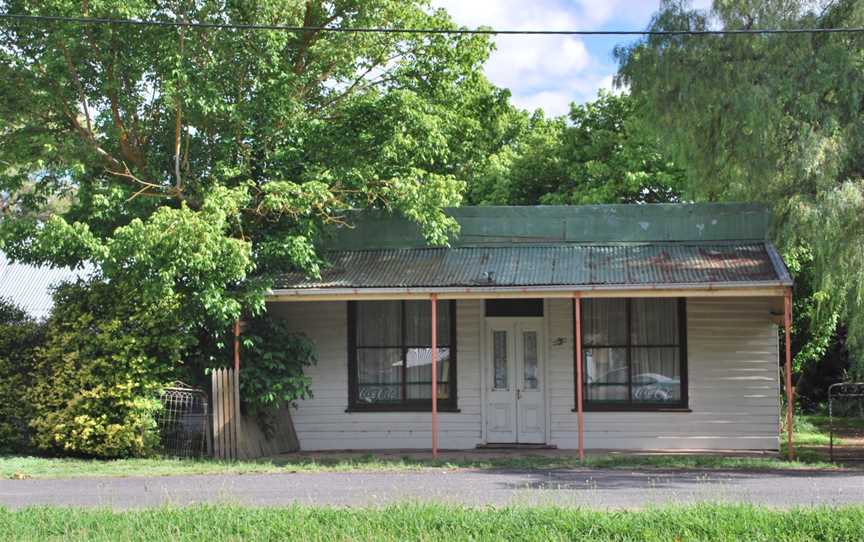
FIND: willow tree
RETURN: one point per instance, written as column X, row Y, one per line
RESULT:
column 773, row 118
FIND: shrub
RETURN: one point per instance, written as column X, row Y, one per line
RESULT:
column 273, row 364
column 19, row 336
column 99, row 370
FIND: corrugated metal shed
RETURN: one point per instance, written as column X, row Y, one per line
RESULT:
column 29, row 286
column 628, row 264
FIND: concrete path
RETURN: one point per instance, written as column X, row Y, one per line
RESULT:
column 603, row 489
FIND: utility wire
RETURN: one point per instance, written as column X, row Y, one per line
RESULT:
column 361, row 30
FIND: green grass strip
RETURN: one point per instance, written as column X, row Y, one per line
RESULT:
column 41, row 467
column 434, row 522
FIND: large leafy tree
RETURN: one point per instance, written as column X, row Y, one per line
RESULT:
column 190, row 164
column 600, row 153
column 775, row 119
column 118, row 122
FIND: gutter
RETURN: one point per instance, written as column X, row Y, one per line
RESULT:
column 732, row 288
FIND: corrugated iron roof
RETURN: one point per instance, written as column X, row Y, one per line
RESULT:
column 29, row 287
column 549, row 265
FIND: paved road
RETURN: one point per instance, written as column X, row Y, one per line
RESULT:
column 594, row 488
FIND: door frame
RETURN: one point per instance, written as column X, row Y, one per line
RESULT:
column 485, row 368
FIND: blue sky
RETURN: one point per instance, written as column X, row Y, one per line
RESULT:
column 549, row 72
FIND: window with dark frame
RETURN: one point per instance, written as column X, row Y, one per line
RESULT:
column 634, row 354
column 390, row 355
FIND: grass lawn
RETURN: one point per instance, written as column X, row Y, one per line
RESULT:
column 40, row 467
column 811, row 437
column 433, row 522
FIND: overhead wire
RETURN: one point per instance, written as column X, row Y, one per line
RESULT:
column 396, row 30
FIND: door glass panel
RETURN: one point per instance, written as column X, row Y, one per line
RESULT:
column 499, row 359
column 529, row 344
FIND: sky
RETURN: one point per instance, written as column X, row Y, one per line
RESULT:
column 550, row 72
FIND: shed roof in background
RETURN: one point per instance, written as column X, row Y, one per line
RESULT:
column 556, row 224
column 29, row 287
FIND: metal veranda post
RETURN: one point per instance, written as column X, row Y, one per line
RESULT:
column 434, row 299
column 577, row 336
column 790, row 396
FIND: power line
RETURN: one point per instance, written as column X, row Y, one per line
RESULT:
column 369, row 30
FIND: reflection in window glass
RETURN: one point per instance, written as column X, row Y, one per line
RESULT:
column 633, row 351
column 656, row 375
column 499, row 358
column 606, row 374
column 529, row 345
column 392, row 353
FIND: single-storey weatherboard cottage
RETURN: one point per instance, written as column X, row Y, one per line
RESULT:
column 634, row 327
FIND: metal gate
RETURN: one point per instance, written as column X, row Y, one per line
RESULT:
column 846, row 403
column 184, row 422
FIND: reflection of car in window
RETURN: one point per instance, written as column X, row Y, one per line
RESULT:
column 654, row 387
column 646, row 386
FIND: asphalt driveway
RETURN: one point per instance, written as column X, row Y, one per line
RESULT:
column 602, row 489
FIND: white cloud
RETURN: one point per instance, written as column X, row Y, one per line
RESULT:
column 549, row 71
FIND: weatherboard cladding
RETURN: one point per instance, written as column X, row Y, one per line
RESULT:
column 548, row 265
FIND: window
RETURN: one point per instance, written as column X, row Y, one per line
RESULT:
column 514, row 307
column 634, row 354
column 390, row 355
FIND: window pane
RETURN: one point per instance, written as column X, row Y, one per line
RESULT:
column 656, row 375
column 418, row 323
column 379, row 375
column 604, row 322
column 606, row 374
column 499, row 359
column 654, row 321
column 420, row 373
column 379, row 323
column 529, row 349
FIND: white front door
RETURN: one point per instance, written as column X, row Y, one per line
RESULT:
column 516, row 410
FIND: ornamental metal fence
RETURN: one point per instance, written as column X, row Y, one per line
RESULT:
column 184, row 421
column 846, row 410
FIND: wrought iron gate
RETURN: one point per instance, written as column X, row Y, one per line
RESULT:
column 846, row 400
column 184, row 422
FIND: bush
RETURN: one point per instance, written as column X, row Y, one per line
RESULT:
column 273, row 364
column 99, row 371
column 19, row 336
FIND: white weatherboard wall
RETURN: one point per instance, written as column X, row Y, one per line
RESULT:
column 322, row 423
column 733, row 383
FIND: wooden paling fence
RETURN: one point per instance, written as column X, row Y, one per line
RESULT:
column 227, row 432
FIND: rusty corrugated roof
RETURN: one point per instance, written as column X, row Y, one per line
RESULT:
column 30, row 287
column 631, row 264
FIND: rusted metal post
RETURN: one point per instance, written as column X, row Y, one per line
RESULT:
column 577, row 344
column 237, row 346
column 790, row 392
column 434, row 299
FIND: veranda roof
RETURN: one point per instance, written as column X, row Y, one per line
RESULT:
column 553, row 249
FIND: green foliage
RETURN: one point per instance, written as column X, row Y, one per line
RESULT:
column 273, row 361
column 774, row 119
column 19, row 337
column 98, row 373
column 603, row 154
column 190, row 166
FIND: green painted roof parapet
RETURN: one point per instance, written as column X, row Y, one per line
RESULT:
column 556, row 224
